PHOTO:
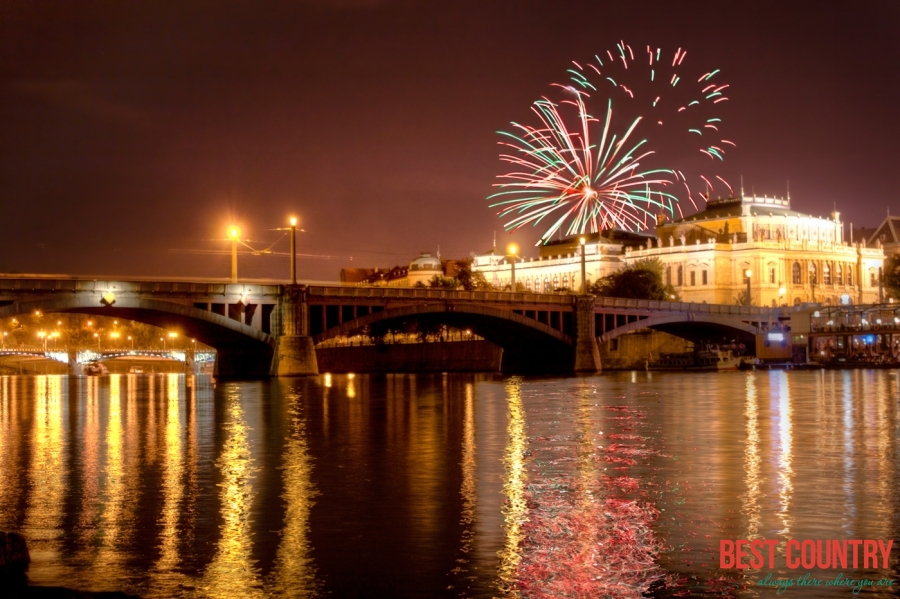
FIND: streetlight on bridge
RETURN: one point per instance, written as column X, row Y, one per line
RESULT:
column 234, row 233
column 581, row 241
column 293, row 250
column 511, row 251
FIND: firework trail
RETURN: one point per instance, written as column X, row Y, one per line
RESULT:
column 576, row 173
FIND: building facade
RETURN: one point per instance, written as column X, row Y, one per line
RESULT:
column 792, row 258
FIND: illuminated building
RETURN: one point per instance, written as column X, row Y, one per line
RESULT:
column 792, row 258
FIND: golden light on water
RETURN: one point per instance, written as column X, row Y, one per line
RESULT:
column 294, row 573
column 515, row 509
column 109, row 554
column 172, row 483
column 468, row 491
column 233, row 571
column 752, row 461
column 48, row 473
column 10, row 487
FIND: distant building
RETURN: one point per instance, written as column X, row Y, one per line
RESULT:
column 887, row 235
column 420, row 270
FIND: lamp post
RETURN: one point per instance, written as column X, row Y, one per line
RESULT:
column 511, row 251
column 234, row 234
column 748, row 273
column 172, row 336
column 43, row 337
column 781, row 291
column 581, row 241
column 293, row 250
column 130, row 338
column 115, row 336
column 97, row 336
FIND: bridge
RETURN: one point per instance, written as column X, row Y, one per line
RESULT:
column 265, row 329
column 77, row 359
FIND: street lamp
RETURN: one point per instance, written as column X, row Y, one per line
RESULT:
column 581, row 241
column 43, row 337
column 748, row 273
column 293, row 250
column 234, row 233
column 97, row 336
column 511, row 251
column 172, row 335
column 114, row 335
column 130, row 338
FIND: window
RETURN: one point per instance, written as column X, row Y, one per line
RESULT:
column 547, row 285
column 795, row 273
column 528, row 284
column 772, row 275
column 850, row 275
column 839, row 272
column 873, row 278
column 812, row 273
column 680, row 276
column 555, row 282
column 705, row 277
column 826, row 274
column 565, row 281
column 693, row 278
column 668, row 275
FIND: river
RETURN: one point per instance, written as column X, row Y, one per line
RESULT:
column 451, row 485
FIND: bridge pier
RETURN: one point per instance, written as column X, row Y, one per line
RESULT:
column 75, row 369
column 295, row 354
column 587, row 353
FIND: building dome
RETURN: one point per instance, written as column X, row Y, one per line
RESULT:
column 426, row 262
column 423, row 269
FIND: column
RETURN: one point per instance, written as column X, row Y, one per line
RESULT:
column 587, row 354
column 296, row 353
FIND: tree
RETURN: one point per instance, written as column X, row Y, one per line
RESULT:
column 641, row 280
column 443, row 282
column 472, row 281
column 891, row 276
column 743, row 298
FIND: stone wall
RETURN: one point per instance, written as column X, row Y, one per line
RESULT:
column 633, row 350
column 457, row 356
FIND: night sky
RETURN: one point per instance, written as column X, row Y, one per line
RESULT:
column 133, row 133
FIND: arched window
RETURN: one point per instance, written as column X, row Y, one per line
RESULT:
column 547, row 285
column 680, row 276
column 528, row 284
column 873, row 278
column 668, row 275
column 812, row 273
column 555, row 282
column 839, row 273
column 850, row 280
column 795, row 273
column 826, row 274
column 565, row 281
column 796, row 301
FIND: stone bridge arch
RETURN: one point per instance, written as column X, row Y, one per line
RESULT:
column 528, row 345
column 242, row 351
column 691, row 326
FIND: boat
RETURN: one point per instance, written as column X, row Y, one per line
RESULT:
column 96, row 369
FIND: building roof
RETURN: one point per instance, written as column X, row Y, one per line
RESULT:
column 733, row 207
column 887, row 232
column 425, row 262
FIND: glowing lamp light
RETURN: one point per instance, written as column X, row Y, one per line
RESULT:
column 581, row 240
column 293, row 221
column 512, row 249
column 234, row 232
column 748, row 273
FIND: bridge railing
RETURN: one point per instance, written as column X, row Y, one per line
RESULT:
column 206, row 289
column 414, row 293
column 560, row 299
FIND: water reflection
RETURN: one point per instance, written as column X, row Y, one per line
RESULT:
column 173, row 472
column 515, row 509
column 416, row 485
column 233, row 571
column 48, row 472
column 294, row 572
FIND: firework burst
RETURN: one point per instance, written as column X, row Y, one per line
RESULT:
column 575, row 173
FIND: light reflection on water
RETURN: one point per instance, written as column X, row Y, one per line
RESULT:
column 405, row 485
